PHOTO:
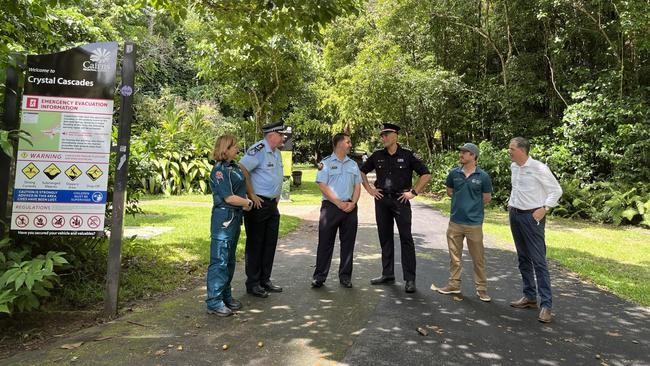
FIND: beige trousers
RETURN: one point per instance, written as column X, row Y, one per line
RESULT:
column 474, row 235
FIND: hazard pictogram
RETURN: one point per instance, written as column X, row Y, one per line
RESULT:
column 58, row 221
column 76, row 222
column 73, row 172
column 40, row 221
column 30, row 170
column 94, row 172
column 52, row 171
column 93, row 222
column 22, row 220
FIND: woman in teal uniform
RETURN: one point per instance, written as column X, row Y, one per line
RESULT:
column 228, row 203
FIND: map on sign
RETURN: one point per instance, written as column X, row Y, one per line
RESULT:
column 73, row 172
column 61, row 178
column 52, row 171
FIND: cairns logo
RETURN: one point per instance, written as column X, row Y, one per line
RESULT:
column 98, row 62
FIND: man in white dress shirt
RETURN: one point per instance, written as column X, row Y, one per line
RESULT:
column 534, row 191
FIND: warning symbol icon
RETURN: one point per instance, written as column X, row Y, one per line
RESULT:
column 94, row 172
column 73, row 172
column 52, row 171
column 30, row 170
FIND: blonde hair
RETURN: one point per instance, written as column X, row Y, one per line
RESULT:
column 224, row 142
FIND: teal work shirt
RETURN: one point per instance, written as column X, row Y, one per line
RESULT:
column 467, row 200
column 265, row 168
column 226, row 179
column 340, row 175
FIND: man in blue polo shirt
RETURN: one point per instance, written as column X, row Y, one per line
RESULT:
column 470, row 188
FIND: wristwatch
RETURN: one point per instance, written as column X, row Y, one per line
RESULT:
column 546, row 208
column 414, row 192
column 250, row 203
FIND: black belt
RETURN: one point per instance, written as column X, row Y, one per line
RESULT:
column 520, row 211
column 265, row 198
column 393, row 194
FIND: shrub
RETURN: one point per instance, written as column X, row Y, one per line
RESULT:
column 25, row 279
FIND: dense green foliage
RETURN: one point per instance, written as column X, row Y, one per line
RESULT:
column 572, row 75
column 194, row 82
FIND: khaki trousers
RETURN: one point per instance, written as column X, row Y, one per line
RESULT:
column 474, row 235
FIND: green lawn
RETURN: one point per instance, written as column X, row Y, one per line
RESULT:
column 615, row 258
column 168, row 261
column 308, row 193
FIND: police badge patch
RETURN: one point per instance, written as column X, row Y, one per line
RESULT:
column 218, row 175
column 320, row 166
column 254, row 150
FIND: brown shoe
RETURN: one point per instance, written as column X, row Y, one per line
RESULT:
column 449, row 290
column 545, row 315
column 483, row 295
column 524, row 303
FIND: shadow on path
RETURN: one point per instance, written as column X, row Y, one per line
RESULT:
column 371, row 325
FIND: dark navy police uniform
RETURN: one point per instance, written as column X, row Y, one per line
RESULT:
column 395, row 176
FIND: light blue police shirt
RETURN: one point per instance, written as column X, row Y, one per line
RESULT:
column 340, row 176
column 265, row 168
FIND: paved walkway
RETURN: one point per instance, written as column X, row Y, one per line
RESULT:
column 370, row 325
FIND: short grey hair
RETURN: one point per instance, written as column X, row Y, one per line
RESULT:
column 522, row 143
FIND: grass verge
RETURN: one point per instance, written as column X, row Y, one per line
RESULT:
column 308, row 193
column 614, row 258
column 167, row 261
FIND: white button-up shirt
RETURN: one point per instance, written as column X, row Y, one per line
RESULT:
column 533, row 186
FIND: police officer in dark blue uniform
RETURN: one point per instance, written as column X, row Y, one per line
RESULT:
column 262, row 166
column 228, row 201
column 393, row 190
column 339, row 180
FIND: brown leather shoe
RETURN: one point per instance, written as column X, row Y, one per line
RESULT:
column 483, row 295
column 545, row 315
column 524, row 303
column 449, row 290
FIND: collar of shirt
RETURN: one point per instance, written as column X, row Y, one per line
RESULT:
column 229, row 163
column 267, row 148
column 528, row 162
column 397, row 152
column 345, row 159
column 477, row 170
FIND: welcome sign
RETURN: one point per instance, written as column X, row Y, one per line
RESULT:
column 67, row 107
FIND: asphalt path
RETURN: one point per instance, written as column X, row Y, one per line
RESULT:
column 370, row 325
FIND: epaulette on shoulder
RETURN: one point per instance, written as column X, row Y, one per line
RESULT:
column 257, row 148
column 321, row 165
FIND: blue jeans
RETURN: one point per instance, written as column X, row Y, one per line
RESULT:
column 531, row 253
column 225, row 227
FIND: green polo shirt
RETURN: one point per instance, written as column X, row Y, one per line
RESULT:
column 467, row 200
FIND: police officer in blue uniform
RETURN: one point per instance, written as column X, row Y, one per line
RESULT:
column 228, row 201
column 339, row 180
column 262, row 167
column 393, row 190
